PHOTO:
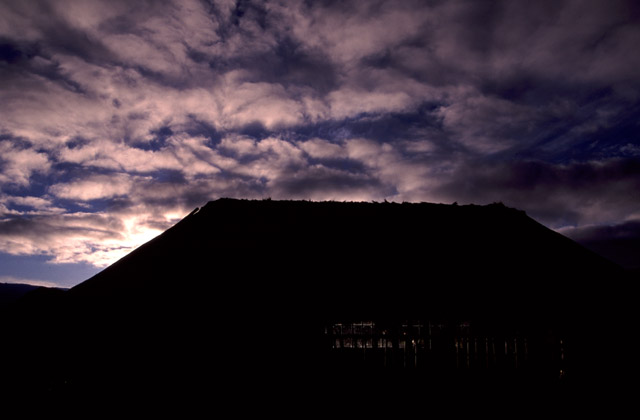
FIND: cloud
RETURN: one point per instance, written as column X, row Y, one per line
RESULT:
column 406, row 177
column 95, row 187
column 166, row 61
column 559, row 195
column 67, row 234
column 486, row 124
column 128, row 114
column 94, row 238
column 619, row 242
column 320, row 183
column 266, row 159
column 182, row 152
column 354, row 30
column 319, row 148
column 269, row 104
column 19, row 162
column 34, row 202
column 27, row 205
column 348, row 102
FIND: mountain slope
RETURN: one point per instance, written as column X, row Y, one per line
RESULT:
column 10, row 292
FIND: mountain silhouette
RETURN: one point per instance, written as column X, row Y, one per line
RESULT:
column 11, row 292
column 241, row 292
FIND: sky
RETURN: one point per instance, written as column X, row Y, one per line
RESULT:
column 118, row 117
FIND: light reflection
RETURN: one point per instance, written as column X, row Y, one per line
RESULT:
column 413, row 344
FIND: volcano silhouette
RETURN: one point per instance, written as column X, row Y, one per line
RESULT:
column 240, row 292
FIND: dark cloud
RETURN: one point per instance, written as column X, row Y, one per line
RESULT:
column 25, row 63
column 57, row 34
column 620, row 242
column 559, row 195
column 65, row 39
column 64, row 238
column 322, row 183
column 12, row 53
column 60, row 225
column 290, row 64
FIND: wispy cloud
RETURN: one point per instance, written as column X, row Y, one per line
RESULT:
column 19, row 162
column 592, row 192
column 93, row 238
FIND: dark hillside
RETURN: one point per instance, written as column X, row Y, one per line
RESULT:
column 10, row 292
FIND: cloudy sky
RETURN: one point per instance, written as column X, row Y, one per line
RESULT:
column 118, row 117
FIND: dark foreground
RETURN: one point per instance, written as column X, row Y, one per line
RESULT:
column 269, row 306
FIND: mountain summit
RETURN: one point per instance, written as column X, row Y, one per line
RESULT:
column 244, row 290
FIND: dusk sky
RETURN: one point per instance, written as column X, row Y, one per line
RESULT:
column 119, row 117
